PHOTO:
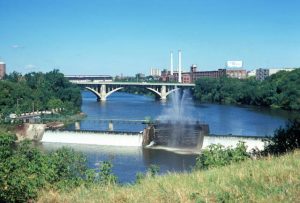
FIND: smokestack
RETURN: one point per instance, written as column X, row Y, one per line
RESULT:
column 179, row 66
column 171, row 63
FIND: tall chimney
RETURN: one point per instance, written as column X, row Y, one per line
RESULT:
column 179, row 66
column 171, row 63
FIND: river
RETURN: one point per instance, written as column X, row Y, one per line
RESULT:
column 127, row 161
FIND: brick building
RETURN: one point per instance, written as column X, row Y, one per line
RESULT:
column 2, row 70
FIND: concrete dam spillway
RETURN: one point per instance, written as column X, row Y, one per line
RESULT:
column 138, row 140
column 93, row 138
column 178, row 135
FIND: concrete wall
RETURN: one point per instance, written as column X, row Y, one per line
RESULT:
column 30, row 131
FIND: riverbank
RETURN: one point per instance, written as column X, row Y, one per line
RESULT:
column 272, row 179
column 35, row 131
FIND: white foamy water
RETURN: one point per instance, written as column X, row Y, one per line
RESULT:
column 226, row 141
column 92, row 138
column 229, row 141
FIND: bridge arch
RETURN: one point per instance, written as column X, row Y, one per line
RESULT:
column 173, row 90
column 103, row 89
column 94, row 92
column 154, row 90
column 103, row 92
column 164, row 92
column 114, row 90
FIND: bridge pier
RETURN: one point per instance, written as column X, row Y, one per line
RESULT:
column 77, row 125
column 110, row 126
column 163, row 93
column 103, row 93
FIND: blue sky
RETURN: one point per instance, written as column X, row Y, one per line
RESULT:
column 130, row 36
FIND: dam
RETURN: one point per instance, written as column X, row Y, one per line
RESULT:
column 132, row 139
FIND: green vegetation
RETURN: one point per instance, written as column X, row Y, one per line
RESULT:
column 38, row 91
column 221, row 175
column 273, row 179
column 217, row 155
column 25, row 170
column 285, row 139
column 281, row 90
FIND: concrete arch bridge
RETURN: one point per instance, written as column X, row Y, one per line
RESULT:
column 103, row 89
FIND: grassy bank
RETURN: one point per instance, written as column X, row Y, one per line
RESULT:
column 273, row 179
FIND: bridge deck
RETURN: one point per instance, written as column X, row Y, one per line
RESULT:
column 133, row 83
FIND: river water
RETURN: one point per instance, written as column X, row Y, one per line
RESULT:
column 127, row 161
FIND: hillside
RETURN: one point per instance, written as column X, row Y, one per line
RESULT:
column 273, row 179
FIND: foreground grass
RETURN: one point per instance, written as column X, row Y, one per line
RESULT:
column 273, row 179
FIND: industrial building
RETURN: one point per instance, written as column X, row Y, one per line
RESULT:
column 236, row 73
column 2, row 70
column 193, row 74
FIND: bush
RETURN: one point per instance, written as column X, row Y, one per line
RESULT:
column 23, row 173
column 285, row 139
column 106, row 177
column 24, row 170
column 217, row 155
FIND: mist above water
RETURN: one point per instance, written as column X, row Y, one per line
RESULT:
column 180, row 109
column 177, row 121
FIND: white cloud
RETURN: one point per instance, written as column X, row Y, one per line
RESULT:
column 17, row 46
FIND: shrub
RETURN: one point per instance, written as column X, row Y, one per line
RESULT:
column 25, row 170
column 285, row 139
column 139, row 177
column 217, row 155
column 106, row 177
column 23, row 173
column 153, row 170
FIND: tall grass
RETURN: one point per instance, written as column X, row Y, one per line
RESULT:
column 272, row 179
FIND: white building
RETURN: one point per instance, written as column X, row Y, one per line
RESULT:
column 275, row 70
column 155, row 72
column 251, row 73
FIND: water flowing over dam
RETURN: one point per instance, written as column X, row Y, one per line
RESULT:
column 136, row 139
column 93, row 138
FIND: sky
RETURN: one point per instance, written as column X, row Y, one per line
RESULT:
column 130, row 36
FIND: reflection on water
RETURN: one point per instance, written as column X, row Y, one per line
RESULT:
column 127, row 161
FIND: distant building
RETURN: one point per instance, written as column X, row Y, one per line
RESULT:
column 251, row 73
column 236, row 73
column 2, row 70
column 186, row 77
column 208, row 74
column 89, row 78
column 275, row 70
column 263, row 73
column 165, row 75
column 155, row 72
column 193, row 74
column 140, row 76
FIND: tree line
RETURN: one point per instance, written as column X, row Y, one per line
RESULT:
column 38, row 91
column 281, row 90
